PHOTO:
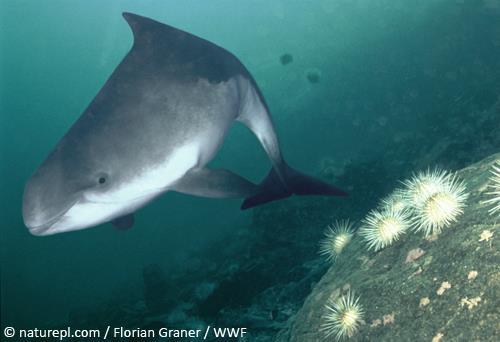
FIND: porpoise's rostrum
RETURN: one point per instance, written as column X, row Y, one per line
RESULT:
column 158, row 120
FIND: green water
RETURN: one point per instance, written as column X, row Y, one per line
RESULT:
column 388, row 70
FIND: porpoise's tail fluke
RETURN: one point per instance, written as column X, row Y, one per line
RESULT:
column 274, row 188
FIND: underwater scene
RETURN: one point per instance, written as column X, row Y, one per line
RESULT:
column 320, row 170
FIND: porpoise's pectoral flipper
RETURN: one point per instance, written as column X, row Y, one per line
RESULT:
column 124, row 222
column 218, row 183
column 282, row 181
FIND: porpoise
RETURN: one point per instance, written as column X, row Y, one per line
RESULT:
column 152, row 128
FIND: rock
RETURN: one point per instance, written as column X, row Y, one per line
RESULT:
column 156, row 288
column 383, row 290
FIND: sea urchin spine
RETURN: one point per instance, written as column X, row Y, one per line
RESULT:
column 494, row 185
column 337, row 236
column 440, row 207
column 424, row 184
column 381, row 228
column 343, row 317
column 397, row 200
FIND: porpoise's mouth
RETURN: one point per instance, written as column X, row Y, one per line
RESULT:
column 85, row 212
column 44, row 228
column 40, row 230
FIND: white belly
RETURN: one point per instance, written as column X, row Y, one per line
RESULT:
column 156, row 179
column 98, row 207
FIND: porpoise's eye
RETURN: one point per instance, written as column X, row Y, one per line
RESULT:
column 101, row 179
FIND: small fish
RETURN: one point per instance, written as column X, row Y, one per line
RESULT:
column 286, row 58
column 313, row 76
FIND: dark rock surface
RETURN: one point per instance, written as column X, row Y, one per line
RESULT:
column 462, row 256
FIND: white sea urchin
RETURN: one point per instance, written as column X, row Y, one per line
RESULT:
column 381, row 228
column 438, row 199
column 494, row 185
column 396, row 200
column 425, row 184
column 343, row 317
column 337, row 236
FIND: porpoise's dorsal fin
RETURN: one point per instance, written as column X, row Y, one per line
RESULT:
column 144, row 28
column 133, row 21
column 164, row 46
